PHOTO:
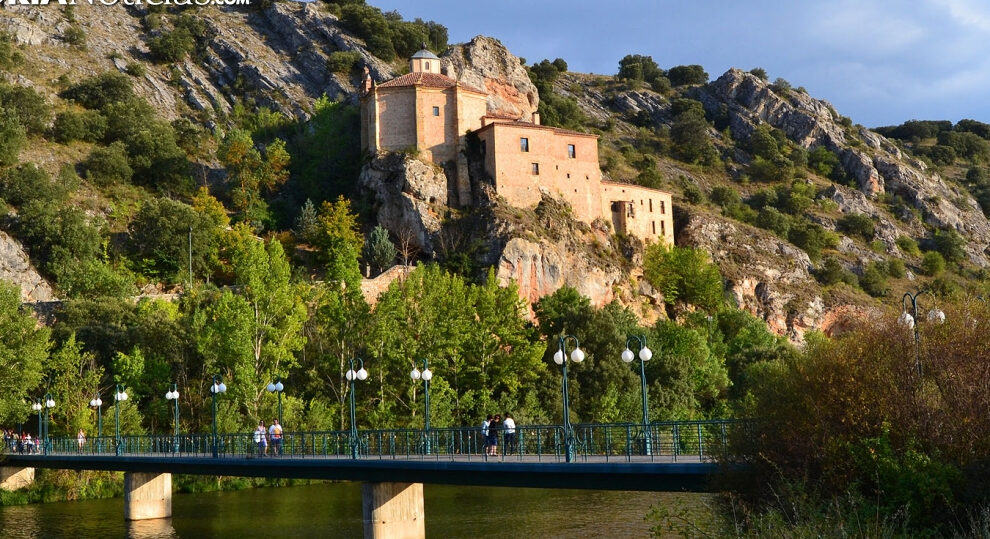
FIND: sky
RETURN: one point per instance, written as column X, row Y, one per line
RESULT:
column 880, row 62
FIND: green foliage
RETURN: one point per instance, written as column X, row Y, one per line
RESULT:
column 940, row 155
column 967, row 145
column 28, row 182
column 158, row 237
column 932, row 263
column 810, row 237
column 99, row 91
column 896, row 269
column 915, row 130
column 88, row 125
column 874, row 280
column 724, row 196
column 307, row 224
column 327, row 154
column 251, row 172
column 908, row 245
column 685, row 75
column 638, row 67
column 379, row 251
column 693, row 195
column 689, row 133
column 776, row 170
column 832, row 272
column 684, row 274
column 12, row 137
column 951, row 245
column 824, row 162
column 108, row 165
column 857, row 224
column 759, row 73
column 340, row 243
column 780, row 86
column 387, row 35
column 9, row 55
column 774, row 221
column 554, row 109
column 136, row 69
column 23, row 351
column 343, row 61
column 29, row 106
column 74, row 35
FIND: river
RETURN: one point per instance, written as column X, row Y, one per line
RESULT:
column 334, row 510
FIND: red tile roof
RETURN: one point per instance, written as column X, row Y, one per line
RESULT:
column 430, row 80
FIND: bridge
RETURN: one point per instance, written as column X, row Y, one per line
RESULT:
column 394, row 464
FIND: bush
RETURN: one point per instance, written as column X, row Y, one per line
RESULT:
column 369, row 24
column 896, row 269
column 950, row 244
column 774, row 221
column 9, row 55
column 684, row 75
column 88, row 125
column 136, row 69
column 31, row 109
column 172, row 46
column 100, row 91
column 685, row 274
column 874, row 280
column 824, row 162
column 810, row 237
column 693, row 195
column 343, row 61
column 12, row 137
column 109, row 165
column 908, row 245
column 857, row 224
column 832, row 272
column 724, row 196
column 28, row 182
column 932, row 263
column 74, row 35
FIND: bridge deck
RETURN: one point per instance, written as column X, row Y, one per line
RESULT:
column 641, row 473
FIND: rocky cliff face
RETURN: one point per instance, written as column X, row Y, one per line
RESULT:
column 15, row 267
column 486, row 64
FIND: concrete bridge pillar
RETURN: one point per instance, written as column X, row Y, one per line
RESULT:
column 147, row 495
column 393, row 510
column 15, row 477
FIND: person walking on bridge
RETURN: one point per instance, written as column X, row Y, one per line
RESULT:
column 484, row 432
column 275, row 432
column 509, row 426
column 261, row 439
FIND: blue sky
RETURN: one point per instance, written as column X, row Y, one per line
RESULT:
column 879, row 62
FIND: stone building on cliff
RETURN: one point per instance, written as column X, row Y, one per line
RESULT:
column 434, row 115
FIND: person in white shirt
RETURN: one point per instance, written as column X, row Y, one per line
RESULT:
column 509, row 425
column 261, row 438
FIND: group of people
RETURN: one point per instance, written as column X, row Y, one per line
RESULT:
column 490, row 429
column 262, row 436
column 20, row 444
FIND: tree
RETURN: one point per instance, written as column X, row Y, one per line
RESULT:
column 23, row 349
column 638, row 67
column 951, row 245
column 379, row 251
column 684, row 75
column 340, row 242
column 684, row 274
column 12, row 138
column 159, row 238
column 108, row 165
column 689, row 132
column 251, row 172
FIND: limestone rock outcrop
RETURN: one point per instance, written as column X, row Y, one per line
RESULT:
column 486, row 64
column 409, row 196
column 15, row 267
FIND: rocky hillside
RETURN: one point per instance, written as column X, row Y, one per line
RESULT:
column 807, row 214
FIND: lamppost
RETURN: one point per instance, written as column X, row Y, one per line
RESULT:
column 351, row 375
column 560, row 358
column 277, row 387
column 426, row 375
column 644, row 355
column 909, row 320
column 217, row 387
column 173, row 396
column 49, row 403
column 119, row 396
column 37, row 407
column 98, row 404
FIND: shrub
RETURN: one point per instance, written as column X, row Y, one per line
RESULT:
column 74, row 35
column 109, row 165
column 343, row 61
column 369, row 23
column 9, row 55
column 874, row 280
column 810, row 237
column 932, row 263
column 857, row 224
column 683, row 273
column 689, row 74
column 774, row 221
column 101, row 90
column 12, row 137
column 950, row 244
column 824, row 162
column 31, row 109
column 28, row 182
column 135, row 69
column 833, row 272
column 693, row 195
column 724, row 196
column 172, row 46
column 781, row 86
column 87, row 125
column 896, row 269
column 759, row 73
column 908, row 245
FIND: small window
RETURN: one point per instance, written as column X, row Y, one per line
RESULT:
column 568, row 175
column 654, row 225
column 484, row 147
column 663, row 210
column 524, row 144
column 426, row 66
column 436, row 111
column 651, row 205
column 536, row 169
column 570, row 151
column 663, row 228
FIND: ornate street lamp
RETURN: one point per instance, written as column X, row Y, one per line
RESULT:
column 644, row 355
column 352, row 375
column 426, row 375
column 49, row 404
column 217, row 387
column 37, row 407
column 173, row 396
column 98, row 404
column 277, row 387
column 909, row 320
column 119, row 396
column 560, row 358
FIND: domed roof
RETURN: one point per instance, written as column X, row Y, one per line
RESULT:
column 424, row 54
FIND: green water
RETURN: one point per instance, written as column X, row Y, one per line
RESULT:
column 334, row 510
